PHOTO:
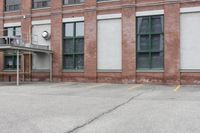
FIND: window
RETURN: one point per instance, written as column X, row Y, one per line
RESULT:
column 67, row 2
column 190, row 40
column 41, row 3
column 73, row 46
column 109, row 45
column 12, row 31
column 150, row 45
column 12, row 5
column 105, row 0
column 10, row 62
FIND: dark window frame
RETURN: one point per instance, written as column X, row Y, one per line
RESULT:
column 16, row 7
column 73, row 3
column 13, row 56
column 14, row 30
column 104, row 0
column 42, row 4
column 74, row 54
column 14, row 61
column 150, row 51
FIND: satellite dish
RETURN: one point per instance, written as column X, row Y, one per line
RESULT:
column 46, row 35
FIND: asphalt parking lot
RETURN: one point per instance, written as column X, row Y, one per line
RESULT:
column 99, row 108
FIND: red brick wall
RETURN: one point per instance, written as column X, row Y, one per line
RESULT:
column 26, row 20
column 90, row 51
column 172, row 43
column 128, row 45
column 1, row 32
column 90, row 10
column 56, row 38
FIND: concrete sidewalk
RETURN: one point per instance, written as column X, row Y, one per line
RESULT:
column 99, row 108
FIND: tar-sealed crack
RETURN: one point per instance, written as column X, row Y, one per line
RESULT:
column 105, row 113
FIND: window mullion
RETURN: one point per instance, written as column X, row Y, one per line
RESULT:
column 74, row 41
column 13, row 61
column 150, row 27
column 14, row 31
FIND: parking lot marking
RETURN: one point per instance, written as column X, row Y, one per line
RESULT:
column 134, row 87
column 95, row 86
column 63, row 84
column 177, row 88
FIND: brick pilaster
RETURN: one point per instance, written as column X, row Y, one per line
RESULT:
column 56, row 38
column 1, row 16
column 172, row 43
column 128, row 42
column 1, row 30
column 26, row 6
column 90, row 60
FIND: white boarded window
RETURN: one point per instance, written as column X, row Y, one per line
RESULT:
column 190, row 41
column 109, row 45
column 37, row 31
column 40, row 61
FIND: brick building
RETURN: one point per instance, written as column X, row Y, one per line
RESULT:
column 121, row 41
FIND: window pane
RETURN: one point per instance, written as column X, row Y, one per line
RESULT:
column 143, row 42
column 79, row 47
column 15, row 61
column 41, row 3
column 69, row 30
column 68, row 46
column 157, row 24
column 80, row 29
column 12, row 5
column 11, row 61
column 12, row 2
column 68, row 62
column 157, row 60
column 9, row 64
column 157, row 42
column 143, row 25
column 73, row 1
column 18, row 31
column 143, row 61
column 79, row 61
column 69, row 2
column 10, row 32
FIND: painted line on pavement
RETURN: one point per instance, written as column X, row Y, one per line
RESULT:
column 95, row 86
column 177, row 88
column 134, row 87
column 62, row 84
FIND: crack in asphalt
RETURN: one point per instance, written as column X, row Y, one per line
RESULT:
column 105, row 113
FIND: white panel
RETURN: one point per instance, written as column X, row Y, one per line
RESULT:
column 190, row 9
column 109, row 16
column 41, row 22
column 73, row 19
column 37, row 31
column 190, row 41
column 147, row 13
column 12, row 24
column 40, row 61
column 109, row 46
